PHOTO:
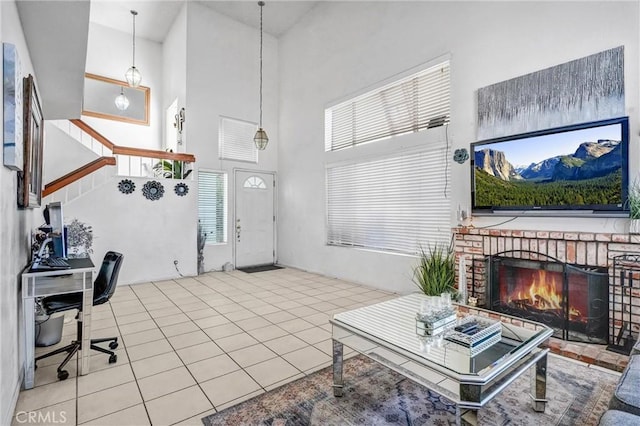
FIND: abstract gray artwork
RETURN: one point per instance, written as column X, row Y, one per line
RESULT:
column 586, row 89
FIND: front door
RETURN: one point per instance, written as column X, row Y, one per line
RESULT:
column 254, row 218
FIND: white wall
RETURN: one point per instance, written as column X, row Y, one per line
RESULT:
column 15, row 228
column 109, row 55
column 150, row 234
column 342, row 47
column 57, row 149
column 223, row 80
column 174, row 67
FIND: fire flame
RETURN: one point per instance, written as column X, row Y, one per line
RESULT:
column 542, row 294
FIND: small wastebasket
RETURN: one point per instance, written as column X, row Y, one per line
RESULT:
column 48, row 329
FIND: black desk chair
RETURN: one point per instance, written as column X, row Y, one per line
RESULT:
column 103, row 288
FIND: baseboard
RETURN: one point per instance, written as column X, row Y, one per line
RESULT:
column 7, row 417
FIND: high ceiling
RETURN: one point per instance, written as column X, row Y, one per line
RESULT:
column 155, row 17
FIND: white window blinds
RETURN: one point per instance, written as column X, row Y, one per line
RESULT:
column 236, row 140
column 395, row 203
column 412, row 104
column 212, row 205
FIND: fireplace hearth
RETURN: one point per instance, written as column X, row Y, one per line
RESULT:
column 571, row 299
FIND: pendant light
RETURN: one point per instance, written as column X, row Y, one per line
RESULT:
column 122, row 103
column 261, row 139
column 132, row 75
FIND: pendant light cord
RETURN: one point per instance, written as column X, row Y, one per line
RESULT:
column 261, row 3
column 134, row 13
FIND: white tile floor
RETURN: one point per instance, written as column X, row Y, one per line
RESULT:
column 194, row 346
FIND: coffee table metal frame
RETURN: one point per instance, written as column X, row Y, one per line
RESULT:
column 385, row 332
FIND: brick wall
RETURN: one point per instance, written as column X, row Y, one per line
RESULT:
column 579, row 248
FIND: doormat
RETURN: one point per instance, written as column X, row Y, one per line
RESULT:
column 375, row 395
column 260, row 268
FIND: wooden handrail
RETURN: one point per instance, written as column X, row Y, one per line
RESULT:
column 138, row 152
column 77, row 174
column 93, row 133
column 152, row 153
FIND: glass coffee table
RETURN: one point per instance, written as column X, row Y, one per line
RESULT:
column 386, row 333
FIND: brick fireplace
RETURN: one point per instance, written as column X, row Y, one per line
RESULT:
column 615, row 255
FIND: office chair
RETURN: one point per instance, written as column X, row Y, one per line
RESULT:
column 103, row 288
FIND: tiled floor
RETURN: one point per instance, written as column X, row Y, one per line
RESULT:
column 192, row 346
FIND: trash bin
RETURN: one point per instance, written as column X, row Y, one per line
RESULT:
column 48, row 329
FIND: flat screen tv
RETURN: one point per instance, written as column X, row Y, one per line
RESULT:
column 580, row 168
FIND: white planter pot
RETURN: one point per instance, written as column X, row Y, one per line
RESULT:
column 634, row 226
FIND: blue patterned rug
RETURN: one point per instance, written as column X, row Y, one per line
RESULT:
column 375, row 395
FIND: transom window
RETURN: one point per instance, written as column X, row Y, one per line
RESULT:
column 412, row 104
column 236, row 140
column 254, row 182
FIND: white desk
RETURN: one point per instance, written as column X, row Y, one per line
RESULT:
column 79, row 278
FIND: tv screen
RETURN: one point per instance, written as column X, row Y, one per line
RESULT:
column 578, row 167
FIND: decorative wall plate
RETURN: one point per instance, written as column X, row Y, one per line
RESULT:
column 460, row 155
column 126, row 186
column 153, row 190
column 181, row 189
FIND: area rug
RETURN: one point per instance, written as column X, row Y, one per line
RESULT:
column 375, row 395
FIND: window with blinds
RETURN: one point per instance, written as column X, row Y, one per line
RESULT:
column 236, row 140
column 414, row 103
column 395, row 203
column 212, row 205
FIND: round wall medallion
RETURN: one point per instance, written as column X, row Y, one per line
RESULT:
column 181, row 189
column 153, row 190
column 126, row 186
column 460, row 155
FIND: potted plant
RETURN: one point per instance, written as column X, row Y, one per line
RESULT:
column 171, row 169
column 79, row 239
column 435, row 272
column 633, row 200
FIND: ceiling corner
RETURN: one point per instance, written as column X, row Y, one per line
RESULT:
column 57, row 34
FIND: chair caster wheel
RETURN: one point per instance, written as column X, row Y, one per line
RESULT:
column 113, row 345
column 113, row 358
column 63, row 375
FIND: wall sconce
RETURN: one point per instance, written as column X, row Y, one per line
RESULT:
column 179, row 124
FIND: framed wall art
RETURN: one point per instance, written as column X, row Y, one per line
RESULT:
column 12, row 146
column 30, row 178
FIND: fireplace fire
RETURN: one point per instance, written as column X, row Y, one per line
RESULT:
column 573, row 300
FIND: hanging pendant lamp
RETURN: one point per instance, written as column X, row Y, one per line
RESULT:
column 261, row 139
column 132, row 75
column 122, row 103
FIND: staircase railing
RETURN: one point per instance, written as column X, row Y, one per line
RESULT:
column 135, row 162
column 77, row 174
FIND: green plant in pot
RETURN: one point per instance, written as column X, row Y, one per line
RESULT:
column 172, row 169
column 435, row 272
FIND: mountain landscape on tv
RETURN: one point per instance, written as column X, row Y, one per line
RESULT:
column 592, row 175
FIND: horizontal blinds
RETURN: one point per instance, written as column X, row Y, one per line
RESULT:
column 212, row 205
column 395, row 204
column 236, row 140
column 415, row 103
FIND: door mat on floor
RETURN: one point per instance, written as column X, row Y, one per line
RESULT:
column 376, row 395
column 260, row 268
